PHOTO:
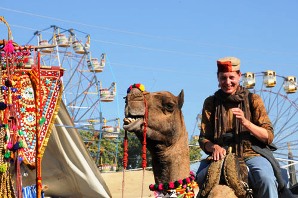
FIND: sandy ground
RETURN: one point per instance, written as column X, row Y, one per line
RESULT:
column 133, row 183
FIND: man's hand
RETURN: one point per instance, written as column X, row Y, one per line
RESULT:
column 240, row 116
column 218, row 152
column 257, row 131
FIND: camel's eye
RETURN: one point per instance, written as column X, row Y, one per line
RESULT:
column 169, row 106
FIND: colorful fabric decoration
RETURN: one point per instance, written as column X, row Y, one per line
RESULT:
column 183, row 188
column 25, row 96
column 49, row 91
column 141, row 87
column 29, row 101
column 30, row 192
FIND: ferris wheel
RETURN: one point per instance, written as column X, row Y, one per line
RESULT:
column 83, row 92
column 281, row 102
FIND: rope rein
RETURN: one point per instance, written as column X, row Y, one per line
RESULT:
column 144, row 144
column 125, row 160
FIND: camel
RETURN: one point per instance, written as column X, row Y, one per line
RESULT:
column 167, row 137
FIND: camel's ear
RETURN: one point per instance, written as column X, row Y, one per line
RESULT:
column 181, row 99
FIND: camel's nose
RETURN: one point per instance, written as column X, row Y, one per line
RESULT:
column 135, row 95
column 135, row 103
column 135, row 90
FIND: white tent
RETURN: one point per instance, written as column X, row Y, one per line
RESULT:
column 67, row 168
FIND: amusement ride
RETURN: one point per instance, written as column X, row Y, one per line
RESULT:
column 83, row 91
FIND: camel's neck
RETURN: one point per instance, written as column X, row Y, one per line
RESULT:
column 172, row 163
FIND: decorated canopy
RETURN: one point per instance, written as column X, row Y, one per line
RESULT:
column 68, row 170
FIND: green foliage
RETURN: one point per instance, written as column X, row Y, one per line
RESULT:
column 90, row 142
column 107, row 154
column 111, row 150
column 134, row 152
column 194, row 150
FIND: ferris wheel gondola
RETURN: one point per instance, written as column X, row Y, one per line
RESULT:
column 46, row 46
column 97, row 66
column 110, row 131
column 108, row 94
column 62, row 40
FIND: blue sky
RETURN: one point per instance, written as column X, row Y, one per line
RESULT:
column 169, row 44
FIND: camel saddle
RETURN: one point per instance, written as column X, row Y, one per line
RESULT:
column 231, row 171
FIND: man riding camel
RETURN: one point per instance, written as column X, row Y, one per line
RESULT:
column 233, row 117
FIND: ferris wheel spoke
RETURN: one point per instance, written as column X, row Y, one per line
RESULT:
column 287, row 126
column 284, row 146
column 272, row 100
column 81, row 94
column 70, row 78
column 288, row 121
column 282, row 155
column 86, row 78
column 282, row 113
column 89, row 110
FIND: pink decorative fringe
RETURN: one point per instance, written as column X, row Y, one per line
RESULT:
column 9, row 48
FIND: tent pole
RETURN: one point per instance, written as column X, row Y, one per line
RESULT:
column 38, row 146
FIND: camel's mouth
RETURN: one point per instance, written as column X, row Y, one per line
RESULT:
column 129, row 120
column 132, row 123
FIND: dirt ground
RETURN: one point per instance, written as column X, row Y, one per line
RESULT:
column 133, row 183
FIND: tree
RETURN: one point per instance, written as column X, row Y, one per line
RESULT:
column 108, row 151
column 89, row 139
column 134, row 152
column 194, row 149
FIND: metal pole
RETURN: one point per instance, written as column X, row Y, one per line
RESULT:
column 100, row 136
column 292, row 171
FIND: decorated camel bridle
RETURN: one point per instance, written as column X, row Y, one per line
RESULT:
column 184, row 188
column 141, row 87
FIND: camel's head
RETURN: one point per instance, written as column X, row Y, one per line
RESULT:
column 161, row 111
